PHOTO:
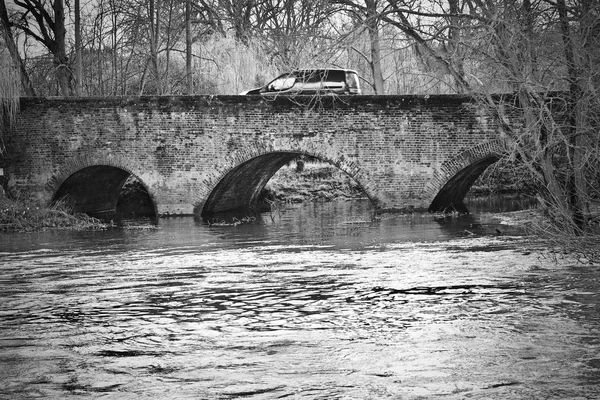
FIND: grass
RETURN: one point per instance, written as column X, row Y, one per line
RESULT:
column 25, row 216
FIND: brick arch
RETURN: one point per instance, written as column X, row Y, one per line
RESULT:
column 455, row 177
column 96, row 161
column 268, row 158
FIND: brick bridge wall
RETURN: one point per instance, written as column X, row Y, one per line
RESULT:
column 209, row 153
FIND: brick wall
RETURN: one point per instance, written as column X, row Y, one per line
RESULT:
column 215, row 152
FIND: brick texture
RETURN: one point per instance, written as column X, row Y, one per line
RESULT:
column 201, row 154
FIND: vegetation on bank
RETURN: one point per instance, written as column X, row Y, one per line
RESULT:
column 504, row 177
column 21, row 216
column 310, row 181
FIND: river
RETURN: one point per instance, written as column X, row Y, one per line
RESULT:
column 320, row 301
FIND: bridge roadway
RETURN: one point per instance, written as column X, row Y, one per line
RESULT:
column 206, row 154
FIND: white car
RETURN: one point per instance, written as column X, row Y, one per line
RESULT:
column 311, row 81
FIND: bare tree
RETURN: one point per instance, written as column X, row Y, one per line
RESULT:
column 554, row 83
column 45, row 22
column 367, row 13
column 559, row 143
column 239, row 14
column 435, row 32
column 154, row 26
column 5, row 27
column 294, row 29
column 9, row 92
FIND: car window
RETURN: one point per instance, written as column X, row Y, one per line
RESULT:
column 316, row 76
column 352, row 80
column 336, row 76
column 284, row 82
column 313, row 76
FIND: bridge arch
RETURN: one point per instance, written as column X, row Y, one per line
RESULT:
column 92, row 184
column 238, row 183
column 453, row 180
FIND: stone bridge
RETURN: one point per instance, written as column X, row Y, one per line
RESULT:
column 206, row 154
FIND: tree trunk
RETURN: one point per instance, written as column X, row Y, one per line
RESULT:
column 169, row 28
column 115, row 55
column 14, row 52
column 188, row 47
column 78, row 60
column 154, row 14
column 99, row 58
column 454, row 40
column 63, row 74
column 576, row 182
column 372, row 23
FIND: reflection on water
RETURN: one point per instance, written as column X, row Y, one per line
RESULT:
column 500, row 203
column 323, row 303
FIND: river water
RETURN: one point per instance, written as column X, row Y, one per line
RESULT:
column 319, row 301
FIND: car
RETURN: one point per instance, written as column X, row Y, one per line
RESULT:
column 311, row 81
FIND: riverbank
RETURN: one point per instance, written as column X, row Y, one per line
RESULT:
column 305, row 182
column 22, row 216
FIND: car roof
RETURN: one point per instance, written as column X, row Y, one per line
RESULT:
column 323, row 69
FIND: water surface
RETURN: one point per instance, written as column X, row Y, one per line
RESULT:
column 321, row 301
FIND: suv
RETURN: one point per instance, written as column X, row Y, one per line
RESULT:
column 311, row 81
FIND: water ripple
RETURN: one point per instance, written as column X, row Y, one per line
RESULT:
column 189, row 311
